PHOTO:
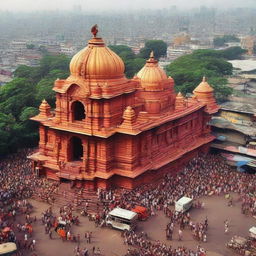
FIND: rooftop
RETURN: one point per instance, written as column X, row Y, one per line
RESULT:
column 123, row 213
column 238, row 107
column 221, row 122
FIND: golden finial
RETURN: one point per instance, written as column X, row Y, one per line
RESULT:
column 151, row 55
column 94, row 30
column 204, row 79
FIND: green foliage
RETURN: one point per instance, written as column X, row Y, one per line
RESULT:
column 23, row 71
column 44, row 91
column 221, row 41
column 158, row 46
column 30, row 46
column 233, row 53
column 132, row 63
column 119, row 49
column 15, row 95
column 49, row 62
column 187, row 72
column 43, row 49
column 230, row 53
column 20, row 98
column 27, row 113
column 7, row 123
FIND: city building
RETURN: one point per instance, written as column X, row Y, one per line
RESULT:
column 108, row 130
column 248, row 43
column 235, row 129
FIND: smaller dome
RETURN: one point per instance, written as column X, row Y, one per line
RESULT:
column 203, row 87
column 151, row 75
column 205, row 93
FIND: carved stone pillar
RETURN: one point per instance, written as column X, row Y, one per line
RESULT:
column 85, row 155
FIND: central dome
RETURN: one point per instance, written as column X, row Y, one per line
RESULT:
column 96, row 61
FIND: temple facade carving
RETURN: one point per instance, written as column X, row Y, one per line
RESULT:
column 107, row 130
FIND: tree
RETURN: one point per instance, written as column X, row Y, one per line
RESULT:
column 6, row 133
column 15, row 95
column 50, row 62
column 132, row 63
column 221, row 41
column 233, row 53
column 187, row 72
column 27, row 130
column 23, row 71
column 20, row 98
column 159, row 48
column 118, row 49
column 43, row 49
column 30, row 46
column 44, row 91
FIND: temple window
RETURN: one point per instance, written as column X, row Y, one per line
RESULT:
column 76, row 149
column 78, row 111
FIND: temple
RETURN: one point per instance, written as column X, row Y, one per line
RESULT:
column 108, row 130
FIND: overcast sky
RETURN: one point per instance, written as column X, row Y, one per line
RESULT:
column 30, row 5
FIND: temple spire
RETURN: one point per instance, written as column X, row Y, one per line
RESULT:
column 45, row 109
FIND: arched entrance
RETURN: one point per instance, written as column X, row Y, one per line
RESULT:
column 76, row 149
column 78, row 111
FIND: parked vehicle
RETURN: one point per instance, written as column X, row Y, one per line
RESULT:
column 122, row 219
column 141, row 211
column 183, row 204
column 8, row 249
column 252, row 232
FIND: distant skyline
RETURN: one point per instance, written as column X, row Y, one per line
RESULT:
column 115, row 5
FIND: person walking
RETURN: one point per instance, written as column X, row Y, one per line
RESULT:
column 226, row 226
column 50, row 234
column 180, row 234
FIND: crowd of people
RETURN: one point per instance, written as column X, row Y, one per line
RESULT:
column 18, row 182
column 183, row 219
column 150, row 248
column 203, row 175
column 61, row 226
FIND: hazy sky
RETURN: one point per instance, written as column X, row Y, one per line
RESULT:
column 30, row 5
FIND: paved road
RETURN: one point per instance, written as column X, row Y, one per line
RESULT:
column 111, row 243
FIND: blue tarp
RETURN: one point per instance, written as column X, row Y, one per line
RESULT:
column 241, row 163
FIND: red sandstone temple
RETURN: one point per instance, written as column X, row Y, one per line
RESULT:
column 108, row 130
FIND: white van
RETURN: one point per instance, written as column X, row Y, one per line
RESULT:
column 122, row 219
column 183, row 204
column 8, row 249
